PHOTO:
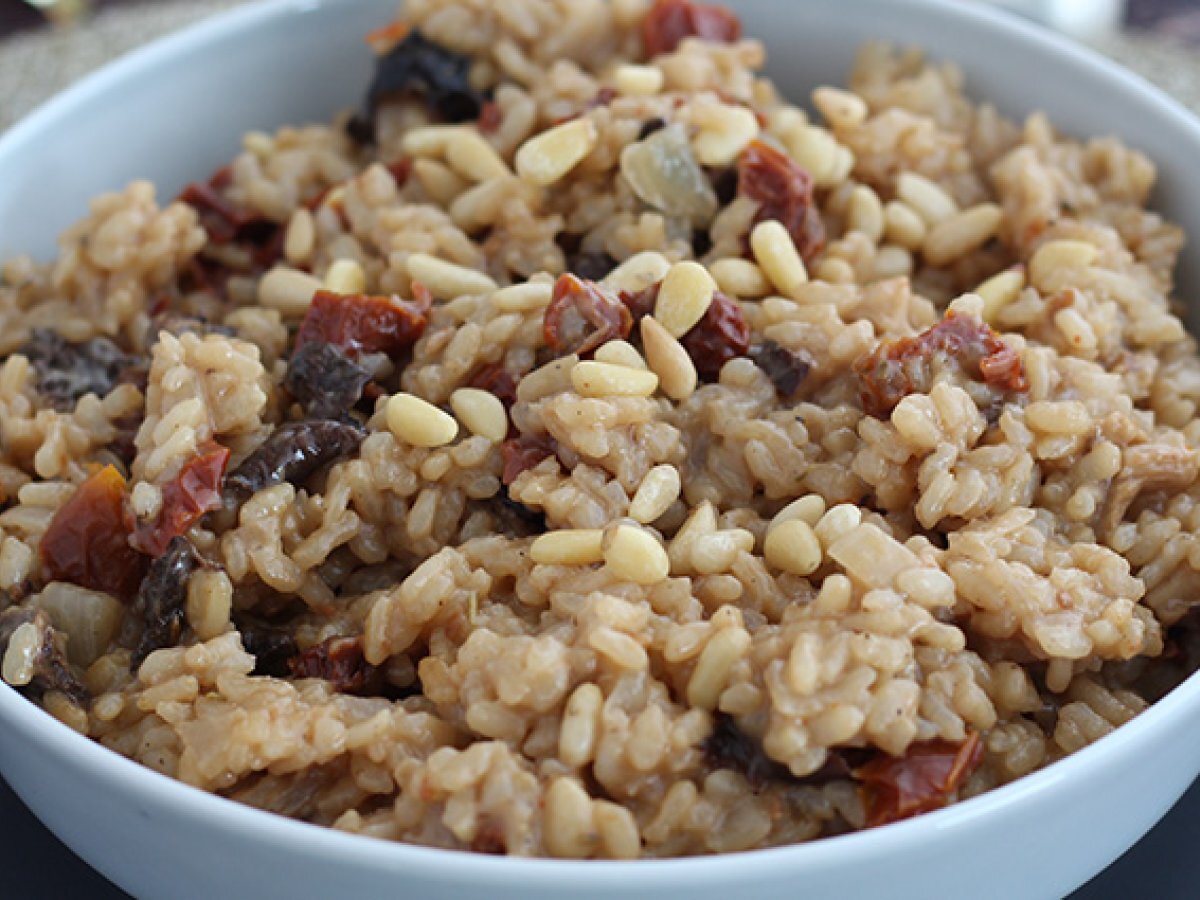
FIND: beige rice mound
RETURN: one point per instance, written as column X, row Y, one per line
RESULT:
column 649, row 605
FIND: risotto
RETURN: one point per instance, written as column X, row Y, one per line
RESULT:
column 582, row 450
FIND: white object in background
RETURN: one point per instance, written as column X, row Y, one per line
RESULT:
column 1081, row 18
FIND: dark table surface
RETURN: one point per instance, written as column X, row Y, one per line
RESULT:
column 1165, row 865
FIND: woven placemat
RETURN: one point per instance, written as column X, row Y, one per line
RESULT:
column 36, row 65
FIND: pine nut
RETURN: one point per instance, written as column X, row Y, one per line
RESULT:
column 567, row 827
column 684, row 298
column 580, row 726
column 618, row 648
column 931, row 203
column 447, row 281
column 552, row 378
column 618, row 830
column 634, row 554
column 419, row 422
column 668, row 360
column 429, row 141
column 740, row 278
column 568, row 547
column 903, row 226
column 441, row 183
column 620, row 353
column 547, row 157
column 301, row 237
column 345, row 276
column 638, row 81
column 715, row 553
column 640, row 271
column 953, row 238
column 527, row 297
column 840, row 108
column 865, row 213
column 209, row 602
column 1000, row 290
column 600, row 379
column 837, row 521
column 720, row 142
column 658, row 490
column 778, row 258
column 21, row 655
column 792, row 546
column 891, row 262
column 481, row 412
column 808, row 508
column 474, row 158
column 717, row 660
column 289, row 291
column 816, row 150
column 1055, row 255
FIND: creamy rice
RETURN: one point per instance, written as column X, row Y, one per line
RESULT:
column 585, row 451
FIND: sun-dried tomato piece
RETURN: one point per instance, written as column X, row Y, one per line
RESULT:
column 922, row 780
column 401, row 170
column 227, row 223
column 670, row 21
column 490, row 118
column 361, row 323
column 786, row 368
column 196, row 490
column 525, row 452
column 895, row 369
column 641, row 303
column 162, row 598
column 497, row 380
column 582, row 316
column 338, row 660
column 723, row 334
column 784, row 191
column 87, row 542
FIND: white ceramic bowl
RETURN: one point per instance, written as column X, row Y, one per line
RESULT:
column 175, row 111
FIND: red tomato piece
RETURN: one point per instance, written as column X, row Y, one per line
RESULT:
column 361, row 323
column 196, row 490
column 87, row 542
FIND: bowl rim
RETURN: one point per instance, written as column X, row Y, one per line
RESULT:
column 35, row 725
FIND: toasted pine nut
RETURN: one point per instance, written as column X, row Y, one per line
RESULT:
column 840, row 108
column 638, row 81
column 473, row 157
column 792, row 546
column 600, row 379
column 547, row 157
column 345, row 276
column 658, row 490
column 481, row 412
column 620, row 353
column 668, row 360
column 778, row 258
column 288, row 290
column 953, row 238
column 740, row 278
column 1000, row 290
column 932, row 203
column 568, row 547
column 527, row 297
column 634, row 554
column 447, row 281
column 301, row 236
column 684, row 298
column 640, row 271
column 419, row 422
